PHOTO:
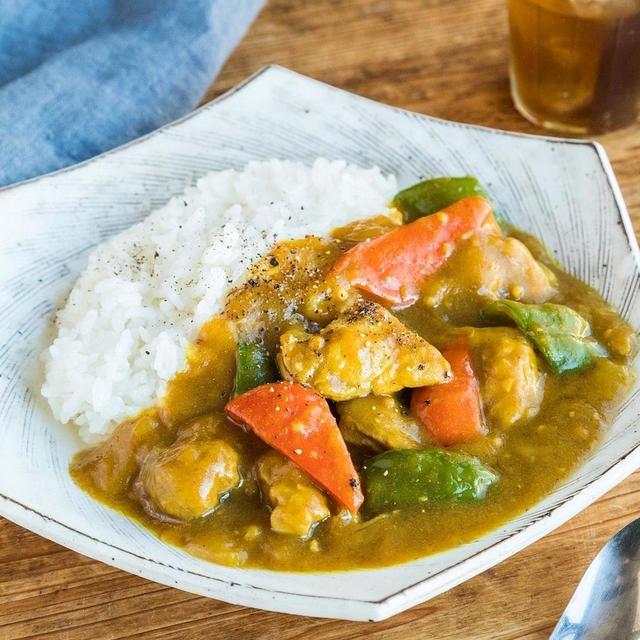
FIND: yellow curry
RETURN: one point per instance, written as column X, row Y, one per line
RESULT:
column 400, row 387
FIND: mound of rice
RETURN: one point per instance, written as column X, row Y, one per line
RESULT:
column 146, row 292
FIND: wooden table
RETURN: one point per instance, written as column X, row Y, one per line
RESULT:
column 446, row 58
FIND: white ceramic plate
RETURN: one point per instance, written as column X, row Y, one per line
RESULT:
column 561, row 190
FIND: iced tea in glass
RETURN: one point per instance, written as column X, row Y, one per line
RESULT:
column 575, row 64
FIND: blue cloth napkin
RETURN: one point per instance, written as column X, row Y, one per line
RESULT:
column 79, row 77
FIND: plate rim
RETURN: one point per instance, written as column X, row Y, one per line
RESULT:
column 269, row 68
column 420, row 591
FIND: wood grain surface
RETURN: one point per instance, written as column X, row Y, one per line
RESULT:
column 446, row 58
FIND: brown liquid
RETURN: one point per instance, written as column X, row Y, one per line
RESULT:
column 575, row 64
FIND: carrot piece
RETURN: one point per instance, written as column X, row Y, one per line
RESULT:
column 392, row 266
column 297, row 421
column 452, row 412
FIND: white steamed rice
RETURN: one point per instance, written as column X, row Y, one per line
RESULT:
column 146, row 292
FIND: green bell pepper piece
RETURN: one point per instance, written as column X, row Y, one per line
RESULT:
column 254, row 366
column 405, row 478
column 430, row 196
column 561, row 334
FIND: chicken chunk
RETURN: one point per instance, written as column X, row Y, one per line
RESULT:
column 287, row 286
column 333, row 297
column 511, row 384
column 379, row 423
column 487, row 267
column 113, row 464
column 366, row 350
column 188, row 479
column 298, row 505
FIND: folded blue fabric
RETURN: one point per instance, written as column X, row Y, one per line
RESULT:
column 79, row 77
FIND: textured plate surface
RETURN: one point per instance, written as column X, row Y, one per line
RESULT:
column 563, row 191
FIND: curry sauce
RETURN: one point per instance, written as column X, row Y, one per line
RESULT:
column 261, row 510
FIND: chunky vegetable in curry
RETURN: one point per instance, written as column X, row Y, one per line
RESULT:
column 400, row 387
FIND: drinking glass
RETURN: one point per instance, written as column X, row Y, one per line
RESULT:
column 575, row 64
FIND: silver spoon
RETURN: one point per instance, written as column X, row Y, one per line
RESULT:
column 605, row 606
